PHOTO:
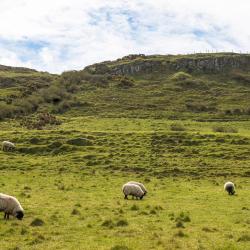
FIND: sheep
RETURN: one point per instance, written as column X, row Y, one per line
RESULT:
column 8, row 146
column 132, row 189
column 229, row 187
column 139, row 184
column 10, row 206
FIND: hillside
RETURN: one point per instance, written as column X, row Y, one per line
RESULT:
column 179, row 124
column 214, row 86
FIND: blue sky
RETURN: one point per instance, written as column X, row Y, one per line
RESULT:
column 62, row 35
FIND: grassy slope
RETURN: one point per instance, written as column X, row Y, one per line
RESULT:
column 186, row 177
column 184, row 171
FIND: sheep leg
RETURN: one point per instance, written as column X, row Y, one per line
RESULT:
column 126, row 197
column 6, row 216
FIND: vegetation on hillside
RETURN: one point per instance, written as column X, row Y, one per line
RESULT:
column 168, row 93
column 81, row 135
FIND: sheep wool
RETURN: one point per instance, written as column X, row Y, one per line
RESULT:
column 133, row 190
column 10, row 206
column 139, row 184
column 8, row 146
column 229, row 187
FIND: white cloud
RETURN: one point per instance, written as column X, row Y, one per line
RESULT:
column 73, row 34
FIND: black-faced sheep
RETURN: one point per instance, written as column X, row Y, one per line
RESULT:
column 229, row 187
column 139, row 184
column 10, row 206
column 133, row 190
column 8, row 146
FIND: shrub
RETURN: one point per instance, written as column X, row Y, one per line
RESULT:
column 75, row 212
column 196, row 107
column 223, row 129
column 180, row 76
column 108, row 223
column 80, row 142
column 180, row 234
column 122, row 223
column 37, row 223
column 40, row 121
column 177, row 127
column 134, row 208
column 180, row 224
column 125, row 82
column 244, row 237
column 6, row 110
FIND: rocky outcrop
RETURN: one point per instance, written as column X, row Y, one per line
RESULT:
column 213, row 63
column 200, row 63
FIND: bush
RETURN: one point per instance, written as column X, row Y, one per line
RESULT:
column 223, row 129
column 75, row 212
column 54, row 94
column 37, row 223
column 6, row 110
column 177, row 127
column 80, row 142
column 125, row 83
column 134, row 208
column 180, row 76
column 180, row 234
column 196, row 107
column 122, row 223
column 40, row 121
column 244, row 237
column 108, row 223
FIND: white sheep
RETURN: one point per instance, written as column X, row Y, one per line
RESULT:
column 10, row 206
column 8, row 146
column 132, row 189
column 229, row 187
column 139, row 184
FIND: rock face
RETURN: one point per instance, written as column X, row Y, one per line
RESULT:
column 203, row 63
column 214, row 64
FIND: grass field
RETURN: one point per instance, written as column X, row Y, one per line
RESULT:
column 69, row 177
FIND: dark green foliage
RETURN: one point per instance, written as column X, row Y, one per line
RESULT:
column 125, row 82
column 227, row 129
column 122, row 223
column 40, row 121
column 134, row 208
column 108, row 224
column 37, row 223
column 80, row 142
column 180, row 234
column 177, row 127
column 75, row 212
column 137, row 86
column 245, row 237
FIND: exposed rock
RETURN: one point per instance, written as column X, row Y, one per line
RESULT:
column 205, row 64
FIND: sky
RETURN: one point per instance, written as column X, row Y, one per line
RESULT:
column 61, row 35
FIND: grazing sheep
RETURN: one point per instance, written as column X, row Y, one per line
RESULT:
column 139, row 184
column 132, row 189
column 8, row 146
column 10, row 206
column 229, row 187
